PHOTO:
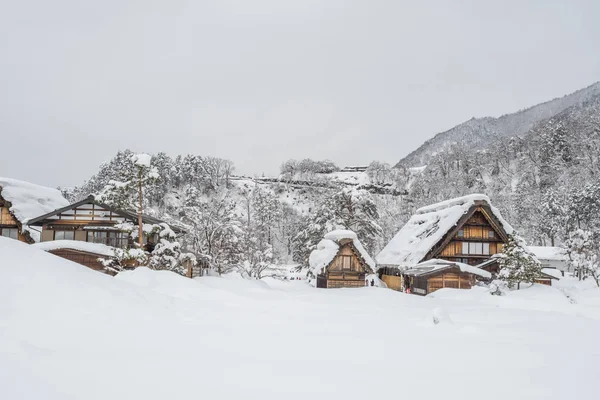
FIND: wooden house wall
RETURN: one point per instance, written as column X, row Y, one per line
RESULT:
column 86, row 214
column 392, row 281
column 337, row 277
column 475, row 230
column 89, row 260
column 7, row 220
column 337, row 263
column 448, row 279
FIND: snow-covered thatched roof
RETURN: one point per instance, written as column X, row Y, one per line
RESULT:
column 428, row 227
column 88, row 247
column 549, row 253
column 328, row 248
column 435, row 265
column 28, row 200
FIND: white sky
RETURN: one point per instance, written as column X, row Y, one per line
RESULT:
column 263, row 81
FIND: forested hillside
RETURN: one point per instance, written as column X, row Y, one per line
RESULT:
column 477, row 133
column 544, row 180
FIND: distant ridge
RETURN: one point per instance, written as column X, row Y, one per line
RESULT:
column 476, row 133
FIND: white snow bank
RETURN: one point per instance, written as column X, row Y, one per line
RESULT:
column 427, row 227
column 29, row 201
column 549, row 253
column 321, row 257
column 96, row 248
column 67, row 328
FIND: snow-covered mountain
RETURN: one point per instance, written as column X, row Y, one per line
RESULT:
column 478, row 133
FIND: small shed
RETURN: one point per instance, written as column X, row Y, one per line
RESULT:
column 429, row 276
column 551, row 257
column 340, row 260
column 547, row 275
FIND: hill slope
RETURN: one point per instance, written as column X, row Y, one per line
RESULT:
column 477, row 133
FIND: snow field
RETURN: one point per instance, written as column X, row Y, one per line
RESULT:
column 67, row 332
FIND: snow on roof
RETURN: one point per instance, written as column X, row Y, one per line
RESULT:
column 427, row 227
column 553, row 272
column 29, row 200
column 436, row 264
column 549, row 253
column 96, row 248
column 328, row 248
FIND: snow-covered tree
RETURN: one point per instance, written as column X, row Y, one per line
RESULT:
column 167, row 253
column 583, row 248
column 350, row 208
column 517, row 264
column 123, row 259
column 216, row 231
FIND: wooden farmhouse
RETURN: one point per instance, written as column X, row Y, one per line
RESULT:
column 21, row 201
column 340, row 261
column 466, row 230
column 429, row 276
column 86, row 230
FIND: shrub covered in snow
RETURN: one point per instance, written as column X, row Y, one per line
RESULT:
column 517, row 263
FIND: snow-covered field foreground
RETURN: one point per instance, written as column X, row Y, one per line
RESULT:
column 67, row 332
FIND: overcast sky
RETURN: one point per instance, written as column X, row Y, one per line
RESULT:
column 262, row 81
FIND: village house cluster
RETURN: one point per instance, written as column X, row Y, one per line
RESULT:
column 83, row 232
column 452, row 244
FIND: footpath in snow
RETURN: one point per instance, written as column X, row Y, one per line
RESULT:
column 67, row 332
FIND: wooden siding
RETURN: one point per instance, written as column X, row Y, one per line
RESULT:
column 89, row 213
column 449, row 280
column 6, row 218
column 338, row 262
column 476, row 229
column 392, row 282
column 333, row 283
column 89, row 260
column 345, row 270
column 8, row 221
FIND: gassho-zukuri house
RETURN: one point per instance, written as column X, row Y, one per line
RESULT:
column 20, row 202
column 340, row 261
column 457, row 233
column 87, row 230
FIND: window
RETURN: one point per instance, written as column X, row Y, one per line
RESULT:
column 461, row 233
column 486, row 248
column 12, row 233
column 475, row 248
column 109, row 238
column 347, row 263
column 491, row 234
column 64, row 235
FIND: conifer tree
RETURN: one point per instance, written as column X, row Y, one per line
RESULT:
column 517, row 264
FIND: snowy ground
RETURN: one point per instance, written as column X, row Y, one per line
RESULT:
column 67, row 332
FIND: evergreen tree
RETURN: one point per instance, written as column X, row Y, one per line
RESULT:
column 350, row 208
column 517, row 264
column 168, row 254
column 583, row 248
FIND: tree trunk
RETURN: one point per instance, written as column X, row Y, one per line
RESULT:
column 140, row 223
